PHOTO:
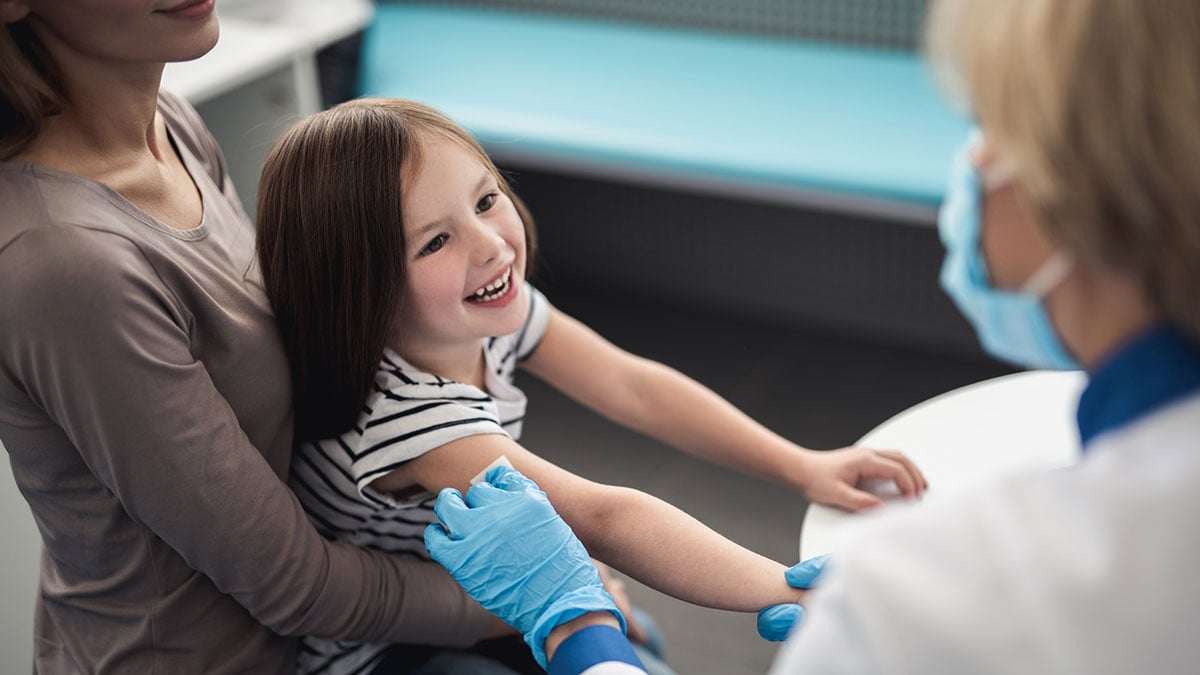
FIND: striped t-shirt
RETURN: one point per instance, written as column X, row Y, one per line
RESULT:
column 407, row 414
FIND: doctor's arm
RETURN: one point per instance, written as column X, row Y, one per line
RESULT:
column 663, row 403
column 510, row 550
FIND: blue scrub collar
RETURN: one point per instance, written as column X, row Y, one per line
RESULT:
column 1155, row 369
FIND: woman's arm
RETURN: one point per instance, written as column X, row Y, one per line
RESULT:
column 661, row 402
column 104, row 350
column 638, row 534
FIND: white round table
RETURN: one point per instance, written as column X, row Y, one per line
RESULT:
column 968, row 436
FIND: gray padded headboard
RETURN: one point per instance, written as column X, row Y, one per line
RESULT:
column 893, row 24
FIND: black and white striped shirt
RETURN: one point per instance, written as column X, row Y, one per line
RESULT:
column 407, row 414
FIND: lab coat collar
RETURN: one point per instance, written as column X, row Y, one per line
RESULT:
column 1155, row 369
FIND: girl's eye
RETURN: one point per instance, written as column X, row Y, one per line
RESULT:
column 485, row 204
column 434, row 245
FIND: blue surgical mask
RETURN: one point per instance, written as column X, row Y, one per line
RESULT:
column 1011, row 325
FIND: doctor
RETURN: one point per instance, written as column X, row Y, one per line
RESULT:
column 1072, row 228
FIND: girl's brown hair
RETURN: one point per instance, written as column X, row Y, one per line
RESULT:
column 332, row 250
column 29, row 87
column 1096, row 103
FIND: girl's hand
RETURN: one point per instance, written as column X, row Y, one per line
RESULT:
column 832, row 477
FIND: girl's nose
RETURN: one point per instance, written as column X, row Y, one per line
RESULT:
column 489, row 245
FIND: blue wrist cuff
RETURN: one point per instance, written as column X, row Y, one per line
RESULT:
column 590, row 646
column 567, row 607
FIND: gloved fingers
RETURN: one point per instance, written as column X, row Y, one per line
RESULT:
column 509, row 479
column 437, row 542
column 510, row 487
column 804, row 574
column 453, row 512
column 777, row 621
column 486, row 494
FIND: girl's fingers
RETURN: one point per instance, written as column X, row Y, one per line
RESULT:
column 913, row 469
column 879, row 466
column 851, row 498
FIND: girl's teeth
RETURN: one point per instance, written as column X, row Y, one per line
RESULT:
column 494, row 289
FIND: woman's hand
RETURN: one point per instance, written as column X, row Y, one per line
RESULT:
column 834, row 477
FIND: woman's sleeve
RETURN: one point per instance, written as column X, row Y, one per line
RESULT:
column 102, row 347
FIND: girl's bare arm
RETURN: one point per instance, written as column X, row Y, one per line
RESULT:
column 638, row 534
column 661, row 402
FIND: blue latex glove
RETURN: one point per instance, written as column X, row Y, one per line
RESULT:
column 510, row 550
column 776, row 621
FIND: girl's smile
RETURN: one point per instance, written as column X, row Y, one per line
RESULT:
column 497, row 293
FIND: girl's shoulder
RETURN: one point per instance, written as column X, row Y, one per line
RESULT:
column 399, row 380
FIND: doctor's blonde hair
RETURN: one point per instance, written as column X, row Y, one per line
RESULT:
column 1096, row 103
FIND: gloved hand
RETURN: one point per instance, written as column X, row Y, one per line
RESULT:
column 776, row 621
column 510, row 550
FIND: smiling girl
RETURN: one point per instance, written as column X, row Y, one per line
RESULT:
column 395, row 257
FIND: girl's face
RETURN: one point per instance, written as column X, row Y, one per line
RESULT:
column 465, row 249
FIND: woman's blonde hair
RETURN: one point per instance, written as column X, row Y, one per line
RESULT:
column 1097, row 105
column 331, row 245
column 29, row 88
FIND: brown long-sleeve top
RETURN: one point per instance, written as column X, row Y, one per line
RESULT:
column 145, row 406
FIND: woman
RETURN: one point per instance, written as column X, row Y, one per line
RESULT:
column 144, row 400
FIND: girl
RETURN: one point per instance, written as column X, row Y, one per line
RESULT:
column 395, row 257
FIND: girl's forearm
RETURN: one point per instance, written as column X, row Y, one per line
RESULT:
column 686, row 415
column 659, row 401
column 670, row 551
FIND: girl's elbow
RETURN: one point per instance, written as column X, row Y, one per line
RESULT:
column 598, row 510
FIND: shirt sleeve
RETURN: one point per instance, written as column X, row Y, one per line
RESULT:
column 531, row 334
column 509, row 351
column 596, row 650
column 411, row 413
column 103, row 349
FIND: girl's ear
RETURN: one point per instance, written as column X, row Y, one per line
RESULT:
column 12, row 11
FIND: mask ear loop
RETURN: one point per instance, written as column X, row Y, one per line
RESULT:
column 997, row 175
column 1050, row 274
column 1057, row 266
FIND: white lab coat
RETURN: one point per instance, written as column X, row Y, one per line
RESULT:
column 1090, row 569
